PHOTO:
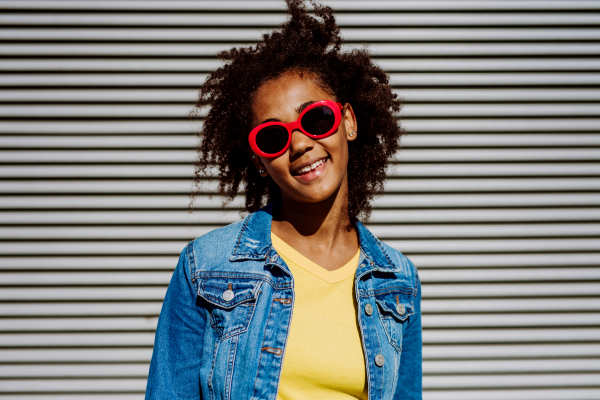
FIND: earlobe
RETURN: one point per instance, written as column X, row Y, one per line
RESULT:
column 350, row 122
column 258, row 164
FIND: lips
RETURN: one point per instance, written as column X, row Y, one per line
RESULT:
column 310, row 168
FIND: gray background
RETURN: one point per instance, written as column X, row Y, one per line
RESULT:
column 494, row 195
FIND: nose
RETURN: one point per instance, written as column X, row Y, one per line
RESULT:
column 300, row 143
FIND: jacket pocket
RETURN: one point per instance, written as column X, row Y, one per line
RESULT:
column 395, row 308
column 230, row 301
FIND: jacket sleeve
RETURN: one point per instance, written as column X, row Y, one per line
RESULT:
column 410, row 382
column 175, row 366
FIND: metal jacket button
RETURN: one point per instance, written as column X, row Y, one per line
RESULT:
column 379, row 360
column 401, row 309
column 228, row 295
column 368, row 309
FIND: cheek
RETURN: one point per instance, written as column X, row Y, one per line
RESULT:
column 277, row 168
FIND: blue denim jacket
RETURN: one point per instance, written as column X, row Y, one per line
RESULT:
column 225, row 319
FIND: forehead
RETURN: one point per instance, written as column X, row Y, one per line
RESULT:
column 279, row 97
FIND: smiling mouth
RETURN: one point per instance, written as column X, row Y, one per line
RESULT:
column 310, row 168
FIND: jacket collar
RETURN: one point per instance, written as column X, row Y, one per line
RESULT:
column 254, row 243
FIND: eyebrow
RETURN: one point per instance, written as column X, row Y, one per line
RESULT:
column 302, row 106
column 299, row 109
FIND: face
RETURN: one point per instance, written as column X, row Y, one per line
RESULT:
column 311, row 170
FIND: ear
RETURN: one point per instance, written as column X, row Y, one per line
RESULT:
column 349, row 121
column 258, row 163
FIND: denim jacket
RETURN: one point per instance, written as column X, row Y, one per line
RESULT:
column 225, row 319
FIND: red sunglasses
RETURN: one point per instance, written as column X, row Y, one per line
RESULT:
column 317, row 121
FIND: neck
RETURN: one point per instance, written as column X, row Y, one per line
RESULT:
column 324, row 220
column 320, row 231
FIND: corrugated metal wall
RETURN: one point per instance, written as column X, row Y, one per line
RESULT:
column 495, row 196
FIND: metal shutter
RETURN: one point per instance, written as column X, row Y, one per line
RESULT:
column 494, row 196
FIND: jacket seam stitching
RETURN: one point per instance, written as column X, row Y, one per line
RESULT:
column 239, row 238
column 261, row 352
column 391, row 289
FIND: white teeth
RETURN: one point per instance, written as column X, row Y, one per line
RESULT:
column 311, row 166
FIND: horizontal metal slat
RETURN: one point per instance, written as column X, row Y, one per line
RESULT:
column 219, row 217
column 408, row 111
column 492, row 155
column 414, row 125
column 131, row 370
column 74, row 385
column 494, row 245
column 562, row 320
column 137, row 217
column 241, row 34
column 121, row 142
column 430, row 336
column 176, row 128
column 561, row 230
column 148, row 323
column 513, row 394
column 498, row 336
column 74, row 340
column 447, row 246
column 271, row 5
column 189, row 96
column 446, row 306
column 78, row 396
column 431, row 291
column 47, row 309
column 439, row 382
column 511, row 275
column 474, row 230
column 405, row 170
column 183, row 186
column 507, row 381
column 430, row 353
column 90, row 262
column 427, row 276
column 423, row 261
column 506, row 290
column 550, row 305
column 550, row 259
column 99, row 371
column 191, row 72
column 481, row 185
column 456, row 95
column 398, row 201
column 510, row 366
column 404, row 79
column 79, row 324
column 88, row 278
column 408, row 141
column 499, row 125
column 75, row 355
column 268, row 20
column 471, row 351
column 376, row 49
column 121, row 293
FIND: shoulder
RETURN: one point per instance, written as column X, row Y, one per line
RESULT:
column 211, row 249
column 388, row 258
column 400, row 260
column 217, row 244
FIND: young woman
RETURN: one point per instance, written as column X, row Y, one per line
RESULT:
column 299, row 300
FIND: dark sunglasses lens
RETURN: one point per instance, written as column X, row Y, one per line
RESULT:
column 318, row 121
column 272, row 139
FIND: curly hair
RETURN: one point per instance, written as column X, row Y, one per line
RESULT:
column 310, row 46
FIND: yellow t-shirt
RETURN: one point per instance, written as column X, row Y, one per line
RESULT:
column 324, row 357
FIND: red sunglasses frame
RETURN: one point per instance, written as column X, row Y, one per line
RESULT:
column 292, row 126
